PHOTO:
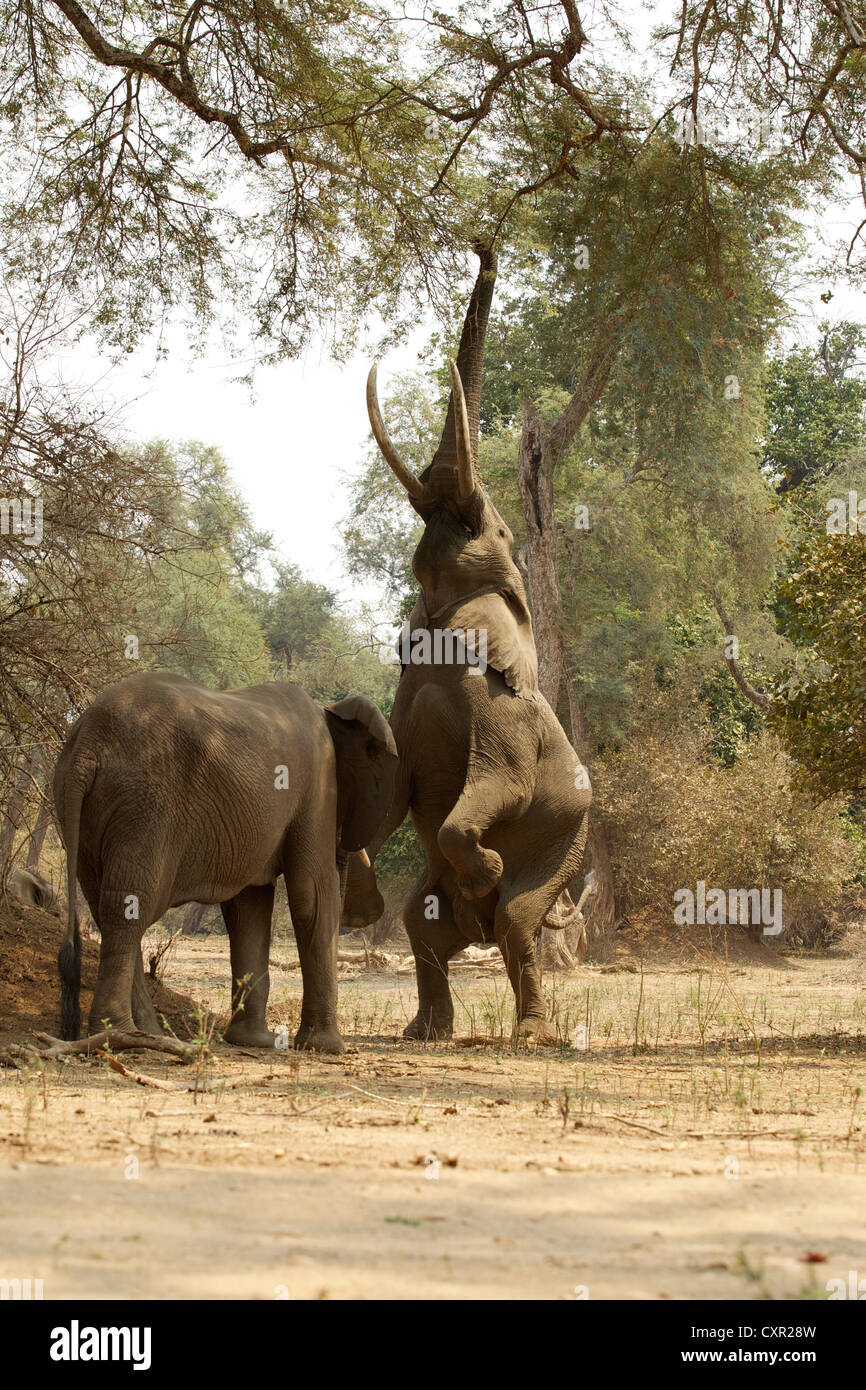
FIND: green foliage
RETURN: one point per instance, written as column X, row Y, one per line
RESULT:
column 194, row 622
column 345, row 661
column 819, row 697
column 401, row 860
column 815, row 409
column 732, row 719
column 294, row 614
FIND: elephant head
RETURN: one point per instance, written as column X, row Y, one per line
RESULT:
column 464, row 560
column 366, row 768
column 31, row 889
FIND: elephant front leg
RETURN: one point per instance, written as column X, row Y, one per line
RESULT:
column 314, row 903
column 248, row 921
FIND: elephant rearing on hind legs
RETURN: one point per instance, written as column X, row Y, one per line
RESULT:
column 493, row 786
column 168, row 793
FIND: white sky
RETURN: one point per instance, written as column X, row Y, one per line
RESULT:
column 288, row 440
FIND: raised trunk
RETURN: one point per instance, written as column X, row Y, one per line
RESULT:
column 470, row 356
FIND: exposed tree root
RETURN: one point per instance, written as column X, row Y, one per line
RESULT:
column 115, row 1042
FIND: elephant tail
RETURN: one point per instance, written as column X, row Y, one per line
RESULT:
column 69, row 955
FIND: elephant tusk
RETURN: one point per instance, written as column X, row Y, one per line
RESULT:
column 377, row 424
column 364, row 858
column 465, row 469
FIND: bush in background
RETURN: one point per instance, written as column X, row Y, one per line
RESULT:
column 675, row 814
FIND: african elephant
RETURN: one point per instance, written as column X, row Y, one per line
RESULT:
column 30, row 888
column 496, row 793
column 168, row 793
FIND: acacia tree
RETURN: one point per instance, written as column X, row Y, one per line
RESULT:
column 311, row 158
column 801, row 64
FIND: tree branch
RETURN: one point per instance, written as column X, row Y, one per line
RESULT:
column 762, row 701
column 182, row 87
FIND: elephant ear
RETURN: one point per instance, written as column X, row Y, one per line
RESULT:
column 357, row 709
column 510, row 643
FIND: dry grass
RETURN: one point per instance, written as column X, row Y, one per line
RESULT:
column 706, row 1138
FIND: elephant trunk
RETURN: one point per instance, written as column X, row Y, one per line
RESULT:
column 470, row 358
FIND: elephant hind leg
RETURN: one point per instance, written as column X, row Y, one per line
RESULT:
column 429, row 920
column 523, row 904
column 123, row 917
column 248, row 921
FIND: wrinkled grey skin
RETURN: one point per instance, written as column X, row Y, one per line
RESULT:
column 30, row 888
column 168, row 793
column 493, row 786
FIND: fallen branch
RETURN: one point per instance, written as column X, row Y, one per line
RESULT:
column 138, row 1077
column 636, row 1124
column 118, row 1042
column 408, row 1102
column 18, row 1056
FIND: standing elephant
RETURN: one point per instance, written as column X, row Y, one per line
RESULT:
column 494, row 788
column 168, row 793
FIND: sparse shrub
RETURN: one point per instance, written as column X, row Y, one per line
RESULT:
column 675, row 815
column 163, row 945
column 815, row 928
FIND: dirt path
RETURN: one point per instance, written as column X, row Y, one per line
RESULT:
column 709, row 1138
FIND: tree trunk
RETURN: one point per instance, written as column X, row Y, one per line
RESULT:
column 535, row 483
column 600, row 908
column 192, row 918
column 13, row 813
column 37, row 839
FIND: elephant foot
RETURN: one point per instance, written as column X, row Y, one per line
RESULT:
column 243, row 1033
column 425, row 1028
column 484, row 876
column 309, row 1039
column 146, row 1018
column 537, row 1030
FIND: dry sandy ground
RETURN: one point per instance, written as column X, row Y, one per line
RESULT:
column 707, row 1139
